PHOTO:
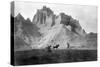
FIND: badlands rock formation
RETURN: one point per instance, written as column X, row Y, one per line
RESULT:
column 61, row 29
column 48, row 29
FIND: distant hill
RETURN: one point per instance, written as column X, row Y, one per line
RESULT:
column 24, row 32
column 91, row 40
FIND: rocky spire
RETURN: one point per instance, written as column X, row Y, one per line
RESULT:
column 28, row 20
column 42, row 15
column 19, row 16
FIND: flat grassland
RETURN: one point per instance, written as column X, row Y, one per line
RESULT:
column 32, row 57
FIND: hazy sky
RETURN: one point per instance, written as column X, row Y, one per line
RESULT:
column 87, row 15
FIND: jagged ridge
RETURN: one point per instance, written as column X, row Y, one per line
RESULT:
column 47, row 29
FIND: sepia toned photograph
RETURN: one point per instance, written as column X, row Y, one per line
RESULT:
column 50, row 33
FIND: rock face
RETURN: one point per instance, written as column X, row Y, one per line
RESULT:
column 43, row 16
column 48, row 29
column 91, row 39
column 61, row 29
column 25, row 33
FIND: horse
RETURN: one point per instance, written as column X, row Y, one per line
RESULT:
column 56, row 46
column 49, row 48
